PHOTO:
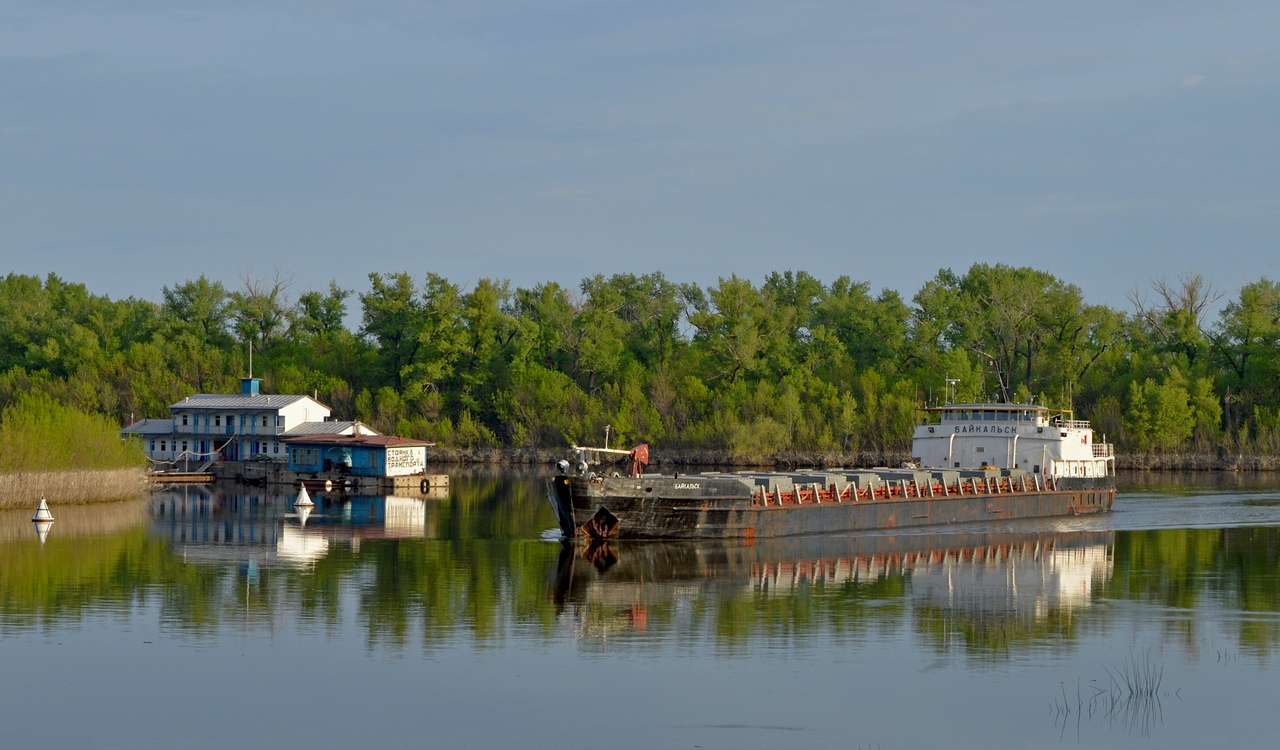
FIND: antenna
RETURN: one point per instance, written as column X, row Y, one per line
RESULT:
column 952, row 389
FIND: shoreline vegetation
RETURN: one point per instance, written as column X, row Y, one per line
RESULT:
column 789, row 371
column 72, row 487
column 668, row 460
column 52, row 450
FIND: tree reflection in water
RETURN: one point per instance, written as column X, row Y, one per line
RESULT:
column 473, row 564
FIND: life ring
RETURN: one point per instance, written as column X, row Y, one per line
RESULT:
column 424, row 486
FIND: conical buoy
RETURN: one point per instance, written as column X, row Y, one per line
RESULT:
column 42, row 511
column 304, row 500
column 304, row 512
column 42, row 529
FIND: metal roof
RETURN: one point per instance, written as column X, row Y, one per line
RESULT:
column 328, row 428
column 150, row 427
column 371, row 441
column 235, row 401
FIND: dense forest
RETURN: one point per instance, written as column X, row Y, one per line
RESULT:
column 791, row 363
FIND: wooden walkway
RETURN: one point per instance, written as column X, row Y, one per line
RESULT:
column 181, row 477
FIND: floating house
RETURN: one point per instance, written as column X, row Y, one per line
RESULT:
column 247, row 426
column 358, row 455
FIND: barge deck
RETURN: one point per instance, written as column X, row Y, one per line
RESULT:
column 774, row 504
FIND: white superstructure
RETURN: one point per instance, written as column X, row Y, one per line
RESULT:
column 1006, row 436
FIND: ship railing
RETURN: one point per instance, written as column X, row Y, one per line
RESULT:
column 815, row 493
column 1073, row 424
column 1103, row 450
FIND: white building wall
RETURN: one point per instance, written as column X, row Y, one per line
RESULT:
column 405, row 461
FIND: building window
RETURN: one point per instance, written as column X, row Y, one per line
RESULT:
column 264, row 420
column 184, row 420
column 184, row 446
column 217, row 420
column 275, row 447
column 153, row 446
column 162, row 446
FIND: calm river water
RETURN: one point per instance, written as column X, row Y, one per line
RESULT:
column 214, row 617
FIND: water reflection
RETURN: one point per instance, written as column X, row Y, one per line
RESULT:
column 472, row 564
column 210, row 525
column 972, row 586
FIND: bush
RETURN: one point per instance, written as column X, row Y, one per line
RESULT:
column 38, row 433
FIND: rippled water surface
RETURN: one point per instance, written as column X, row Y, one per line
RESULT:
column 216, row 617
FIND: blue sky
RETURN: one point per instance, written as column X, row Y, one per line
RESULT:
column 144, row 143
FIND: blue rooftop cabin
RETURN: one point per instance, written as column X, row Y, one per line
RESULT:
column 358, row 455
column 250, row 386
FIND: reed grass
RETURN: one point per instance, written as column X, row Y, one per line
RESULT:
column 1131, row 699
column 24, row 489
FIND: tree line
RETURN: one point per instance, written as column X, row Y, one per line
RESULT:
column 792, row 362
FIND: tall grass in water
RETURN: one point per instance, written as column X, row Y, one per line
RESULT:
column 1131, row 699
column 64, row 454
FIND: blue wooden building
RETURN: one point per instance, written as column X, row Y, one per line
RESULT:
column 357, row 455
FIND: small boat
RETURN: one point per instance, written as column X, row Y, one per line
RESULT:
column 970, row 462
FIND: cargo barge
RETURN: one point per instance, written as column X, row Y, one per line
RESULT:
column 971, row 462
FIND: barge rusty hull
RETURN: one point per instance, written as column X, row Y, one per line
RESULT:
column 716, row 507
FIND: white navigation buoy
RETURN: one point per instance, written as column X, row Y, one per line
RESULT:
column 304, row 512
column 42, row 529
column 42, row 511
column 304, row 500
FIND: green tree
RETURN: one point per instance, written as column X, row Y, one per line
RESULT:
column 201, row 308
column 393, row 320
